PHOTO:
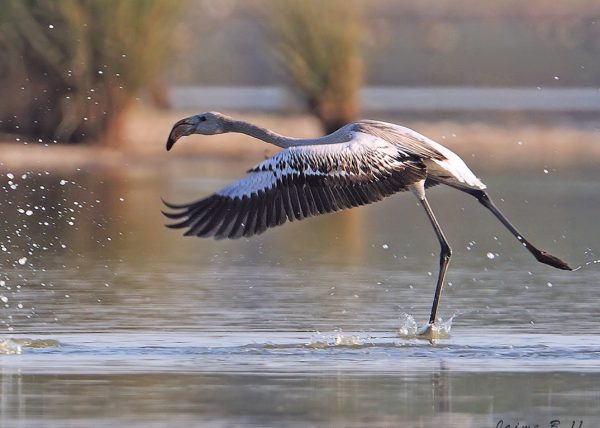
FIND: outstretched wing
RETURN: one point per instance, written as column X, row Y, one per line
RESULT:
column 301, row 182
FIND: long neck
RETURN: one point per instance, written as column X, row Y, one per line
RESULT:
column 271, row 137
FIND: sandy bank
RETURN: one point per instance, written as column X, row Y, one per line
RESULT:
column 484, row 145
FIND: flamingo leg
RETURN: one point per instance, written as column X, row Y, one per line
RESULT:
column 541, row 256
column 445, row 254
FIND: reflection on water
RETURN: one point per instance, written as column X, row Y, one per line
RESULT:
column 429, row 399
column 299, row 326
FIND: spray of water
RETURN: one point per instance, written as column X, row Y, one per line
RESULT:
column 12, row 346
column 410, row 329
column 586, row 265
column 320, row 341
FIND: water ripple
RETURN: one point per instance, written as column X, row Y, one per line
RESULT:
column 286, row 352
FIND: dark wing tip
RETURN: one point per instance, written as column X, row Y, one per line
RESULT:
column 200, row 218
column 172, row 216
column 174, row 206
column 182, row 212
column 179, row 225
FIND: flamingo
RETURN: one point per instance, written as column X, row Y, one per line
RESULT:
column 360, row 163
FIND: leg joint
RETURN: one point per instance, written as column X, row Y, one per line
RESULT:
column 483, row 198
column 448, row 251
column 445, row 254
column 477, row 193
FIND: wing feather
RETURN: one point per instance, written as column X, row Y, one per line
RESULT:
column 237, row 229
column 301, row 182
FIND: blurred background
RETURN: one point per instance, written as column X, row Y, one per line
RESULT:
column 485, row 75
column 89, row 90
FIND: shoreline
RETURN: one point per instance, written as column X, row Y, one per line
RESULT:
column 483, row 145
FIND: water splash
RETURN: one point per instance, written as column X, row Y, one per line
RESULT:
column 10, row 347
column 39, row 207
column 408, row 326
column 593, row 262
column 15, row 346
column 410, row 329
column 352, row 341
column 339, row 339
column 317, row 344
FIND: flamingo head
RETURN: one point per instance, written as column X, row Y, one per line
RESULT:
column 208, row 123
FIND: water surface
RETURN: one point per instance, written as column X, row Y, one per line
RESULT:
column 109, row 319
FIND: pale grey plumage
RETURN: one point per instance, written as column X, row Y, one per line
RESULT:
column 301, row 182
column 360, row 163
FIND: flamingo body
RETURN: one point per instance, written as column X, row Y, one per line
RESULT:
column 305, row 181
column 360, row 163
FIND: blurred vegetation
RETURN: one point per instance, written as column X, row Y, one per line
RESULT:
column 318, row 45
column 504, row 43
column 70, row 68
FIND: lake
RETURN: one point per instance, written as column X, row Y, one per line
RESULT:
column 110, row 319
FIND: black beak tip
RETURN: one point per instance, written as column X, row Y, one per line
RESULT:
column 170, row 143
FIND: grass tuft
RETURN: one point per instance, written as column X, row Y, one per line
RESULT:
column 70, row 68
column 318, row 47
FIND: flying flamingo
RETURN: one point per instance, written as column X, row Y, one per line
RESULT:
column 360, row 163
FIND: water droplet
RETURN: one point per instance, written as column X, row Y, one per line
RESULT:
column 385, row 246
column 556, row 78
column 22, row 260
column 549, row 284
column 4, row 298
column 51, row 26
column 490, row 256
column 546, row 171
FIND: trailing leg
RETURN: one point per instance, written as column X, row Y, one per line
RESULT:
column 541, row 256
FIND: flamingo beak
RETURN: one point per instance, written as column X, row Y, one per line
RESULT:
column 180, row 129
